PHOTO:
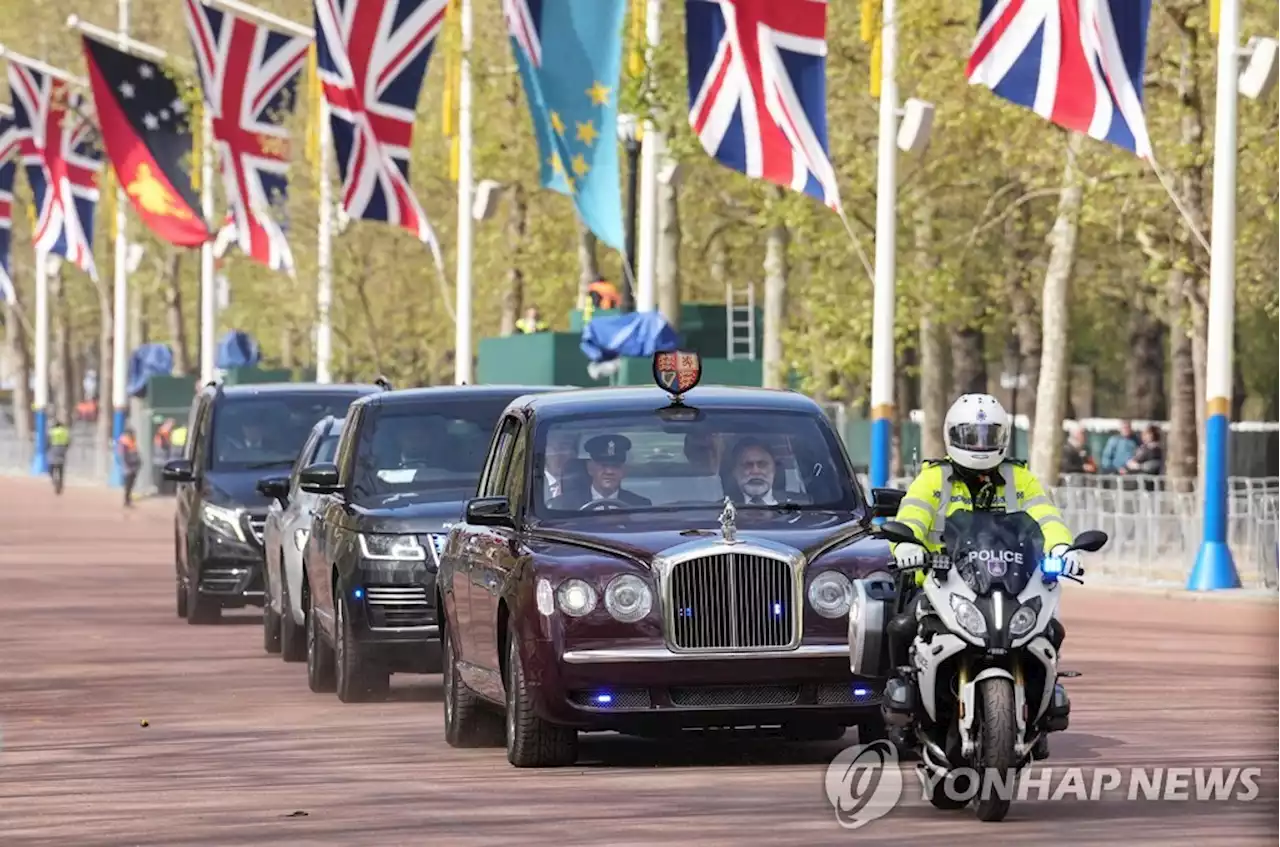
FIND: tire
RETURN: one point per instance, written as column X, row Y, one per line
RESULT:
column 531, row 741
column 319, row 655
column 182, row 598
column 201, row 610
column 355, row 679
column 995, row 751
column 293, row 638
column 467, row 720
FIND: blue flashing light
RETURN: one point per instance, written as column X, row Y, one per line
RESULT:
column 860, row 691
column 777, row 610
column 358, row 593
column 686, row 612
column 603, row 699
column 1052, row 567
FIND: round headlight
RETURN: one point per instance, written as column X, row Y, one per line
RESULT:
column 1022, row 621
column 830, row 594
column 628, row 599
column 577, row 598
column 969, row 616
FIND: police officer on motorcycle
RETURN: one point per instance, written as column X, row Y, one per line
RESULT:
column 976, row 475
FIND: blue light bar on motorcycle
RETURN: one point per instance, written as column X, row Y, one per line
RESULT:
column 1052, row 567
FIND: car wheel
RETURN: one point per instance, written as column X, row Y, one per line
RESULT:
column 531, row 741
column 319, row 655
column 293, row 638
column 467, row 721
column 182, row 598
column 356, row 680
column 201, row 610
column 270, row 620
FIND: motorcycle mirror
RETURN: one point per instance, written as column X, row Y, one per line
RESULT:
column 897, row 532
column 1090, row 541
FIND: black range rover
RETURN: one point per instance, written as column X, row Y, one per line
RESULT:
column 406, row 462
column 237, row 434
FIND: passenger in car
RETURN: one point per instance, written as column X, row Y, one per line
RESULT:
column 754, row 470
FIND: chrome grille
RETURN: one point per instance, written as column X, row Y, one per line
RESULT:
column 731, row 601
column 398, row 607
column 257, row 524
column 223, row 580
column 626, row 698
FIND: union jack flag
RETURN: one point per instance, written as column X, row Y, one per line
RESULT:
column 371, row 57
column 1078, row 63
column 9, row 144
column 249, row 75
column 522, row 17
column 758, row 90
column 60, row 154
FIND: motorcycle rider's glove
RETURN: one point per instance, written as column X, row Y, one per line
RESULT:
column 1070, row 560
column 909, row 555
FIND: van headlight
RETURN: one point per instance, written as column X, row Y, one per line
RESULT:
column 577, row 598
column 223, row 520
column 391, row 548
column 969, row 616
column 831, row 594
column 1025, row 618
column 628, row 598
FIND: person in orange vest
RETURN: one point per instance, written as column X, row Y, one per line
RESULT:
column 127, row 448
column 601, row 294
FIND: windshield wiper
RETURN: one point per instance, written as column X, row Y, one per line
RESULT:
column 274, row 463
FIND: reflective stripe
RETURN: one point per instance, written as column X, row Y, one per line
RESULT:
column 1048, row 520
column 1041, row 500
column 915, row 503
column 1011, row 503
column 944, row 500
column 917, row 524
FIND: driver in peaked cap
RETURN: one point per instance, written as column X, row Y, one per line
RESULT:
column 607, row 467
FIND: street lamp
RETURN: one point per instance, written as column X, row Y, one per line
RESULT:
column 629, row 135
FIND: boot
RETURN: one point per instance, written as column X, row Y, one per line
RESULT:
column 900, row 698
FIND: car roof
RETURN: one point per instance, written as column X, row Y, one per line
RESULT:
column 412, row 396
column 282, row 389
column 623, row 399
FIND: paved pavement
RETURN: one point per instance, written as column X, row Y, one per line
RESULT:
column 237, row 749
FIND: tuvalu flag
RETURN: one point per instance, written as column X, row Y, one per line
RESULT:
column 147, row 134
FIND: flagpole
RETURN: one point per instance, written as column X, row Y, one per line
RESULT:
column 42, row 67
column 120, row 338
column 324, row 257
column 650, row 155
column 462, row 334
column 208, row 303
column 39, row 463
column 1214, row 568
column 882, row 338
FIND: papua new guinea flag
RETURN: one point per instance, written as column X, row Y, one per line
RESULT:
column 147, row 134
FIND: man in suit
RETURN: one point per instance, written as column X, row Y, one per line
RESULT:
column 607, row 467
column 562, row 472
column 754, row 469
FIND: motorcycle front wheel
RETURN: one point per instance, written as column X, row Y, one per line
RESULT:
column 996, row 753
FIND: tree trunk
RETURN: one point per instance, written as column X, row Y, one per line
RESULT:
column 517, row 226
column 1144, row 367
column 588, row 264
column 667, row 268
column 904, row 401
column 173, row 313
column 1051, row 393
column 60, row 349
column 933, row 353
column 969, row 361
column 20, row 355
column 775, row 302
column 1180, row 448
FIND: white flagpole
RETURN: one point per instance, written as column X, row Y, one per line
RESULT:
column 650, row 156
column 882, row 340
column 462, row 335
column 39, row 463
column 324, row 258
column 120, row 330
column 208, row 293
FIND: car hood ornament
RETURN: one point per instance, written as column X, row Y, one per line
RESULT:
column 728, row 522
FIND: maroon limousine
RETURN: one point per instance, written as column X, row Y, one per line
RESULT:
column 647, row 560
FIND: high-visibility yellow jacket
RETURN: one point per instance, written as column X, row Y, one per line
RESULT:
column 178, row 438
column 935, row 493
column 59, row 436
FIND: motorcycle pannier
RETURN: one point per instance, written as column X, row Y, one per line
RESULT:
column 869, row 614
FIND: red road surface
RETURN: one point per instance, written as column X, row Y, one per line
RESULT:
column 90, row 646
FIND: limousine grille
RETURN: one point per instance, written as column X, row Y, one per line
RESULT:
column 257, row 525
column 731, row 601
column 398, row 607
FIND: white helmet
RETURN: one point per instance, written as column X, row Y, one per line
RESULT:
column 976, row 432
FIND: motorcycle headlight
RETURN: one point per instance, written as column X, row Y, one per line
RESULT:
column 300, row 537
column 831, row 594
column 969, row 616
column 628, row 598
column 223, row 520
column 392, row 548
column 577, row 598
column 1025, row 618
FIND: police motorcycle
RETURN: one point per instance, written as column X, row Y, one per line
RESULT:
column 984, row 657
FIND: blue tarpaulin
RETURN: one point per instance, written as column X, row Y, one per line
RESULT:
column 147, row 361
column 636, row 334
column 237, row 350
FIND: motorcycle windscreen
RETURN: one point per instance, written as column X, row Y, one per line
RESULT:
column 993, row 550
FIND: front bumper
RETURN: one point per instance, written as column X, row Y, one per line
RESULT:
column 231, row 571
column 393, row 614
column 649, row 689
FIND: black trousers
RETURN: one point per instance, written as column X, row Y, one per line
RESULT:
column 901, row 631
column 130, row 477
column 55, row 473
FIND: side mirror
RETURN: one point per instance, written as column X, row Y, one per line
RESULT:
column 320, row 478
column 1090, row 541
column 178, row 470
column 896, row 532
column 885, row 502
column 489, row 511
column 275, row 487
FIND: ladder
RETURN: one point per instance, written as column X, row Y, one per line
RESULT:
column 740, row 332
